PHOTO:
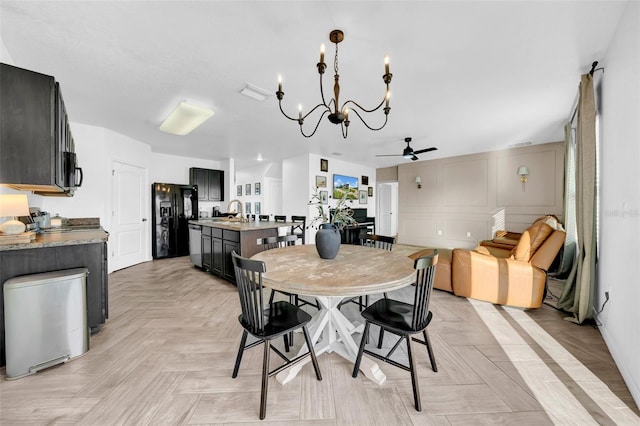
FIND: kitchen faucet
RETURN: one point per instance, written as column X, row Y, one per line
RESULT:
column 242, row 219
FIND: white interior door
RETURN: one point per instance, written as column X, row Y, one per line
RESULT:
column 387, row 209
column 273, row 199
column 129, row 216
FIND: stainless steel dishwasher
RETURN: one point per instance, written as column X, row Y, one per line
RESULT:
column 195, row 244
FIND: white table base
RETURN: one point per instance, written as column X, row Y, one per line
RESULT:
column 330, row 331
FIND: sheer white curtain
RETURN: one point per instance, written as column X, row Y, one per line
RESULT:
column 577, row 296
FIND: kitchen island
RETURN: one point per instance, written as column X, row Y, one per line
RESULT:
column 220, row 237
column 64, row 248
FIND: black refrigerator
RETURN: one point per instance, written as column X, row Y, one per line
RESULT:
column 172, row 208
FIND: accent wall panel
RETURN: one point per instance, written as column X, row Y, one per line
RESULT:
column 465, row 183
column 415, row 229
column 412, row 198
column 541, row 186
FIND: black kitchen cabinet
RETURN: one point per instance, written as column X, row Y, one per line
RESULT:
column 230, row 242
column 210, row 183
column 206, row 248
column 217, row 256
column 219, row 242
column 212, row 250
column 92, row 256
column 38, row 152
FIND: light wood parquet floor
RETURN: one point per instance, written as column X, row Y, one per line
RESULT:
column 166, row 354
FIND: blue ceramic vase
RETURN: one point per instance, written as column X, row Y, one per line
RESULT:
column 328, row 241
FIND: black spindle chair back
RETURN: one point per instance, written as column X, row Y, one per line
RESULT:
column 249, row 281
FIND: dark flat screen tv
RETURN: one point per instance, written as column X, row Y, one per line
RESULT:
column 342, row 184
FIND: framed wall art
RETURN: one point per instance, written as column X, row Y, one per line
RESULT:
column 362, row 196
column 324, row 197
column 345, row 184
column 324, row 165
column 321, row 181
column 257, row 207
column 257, row 189
column 247, row 208
column 247, row 189
column 239, row 191
column 365, row 180
column 370, row 191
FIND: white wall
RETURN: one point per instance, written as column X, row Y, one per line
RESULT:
column 257, row 175
column 337, row 166
column 296, row 186
column 618, row 267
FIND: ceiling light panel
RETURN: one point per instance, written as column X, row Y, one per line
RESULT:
column 185, row 118
column 255, row 92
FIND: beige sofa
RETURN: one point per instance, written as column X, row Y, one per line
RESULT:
column 512, row 268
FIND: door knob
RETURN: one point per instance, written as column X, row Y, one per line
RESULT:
column 144, row 219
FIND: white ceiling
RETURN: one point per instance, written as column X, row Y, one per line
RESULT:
column 467, row 76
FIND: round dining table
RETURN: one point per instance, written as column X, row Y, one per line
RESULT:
column 355, row 271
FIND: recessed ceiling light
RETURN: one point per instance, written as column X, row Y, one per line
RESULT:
column 255, row 92
column 259, row 157
column 185, row 118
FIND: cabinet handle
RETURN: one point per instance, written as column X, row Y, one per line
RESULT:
column 79, row 184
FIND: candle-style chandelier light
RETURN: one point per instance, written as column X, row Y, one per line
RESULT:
column 338, row 114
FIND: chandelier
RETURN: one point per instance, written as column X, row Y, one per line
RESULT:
column 338, row 114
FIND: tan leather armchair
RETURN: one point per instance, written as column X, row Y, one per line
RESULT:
column 506, row 274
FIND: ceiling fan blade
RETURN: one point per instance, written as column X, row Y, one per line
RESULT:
column 420, row 151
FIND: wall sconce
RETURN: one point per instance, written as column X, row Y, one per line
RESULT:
column 523, row 171
column 419, row 182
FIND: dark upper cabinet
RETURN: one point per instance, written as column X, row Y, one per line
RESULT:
column 210, row 183
column 35, row 139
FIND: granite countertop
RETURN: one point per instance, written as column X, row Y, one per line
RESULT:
column 62, row 237
column 242, row 226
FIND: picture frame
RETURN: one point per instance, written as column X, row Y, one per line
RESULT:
column 362, row 196
column 257, row 207
column 239, row 191
column 247, row 189
column 364, row 180
column 370, row 191
column 324, row 197
column 345, row 184
column 324, row 165
column 247, row 208
column 321, row 181
column 257, row 189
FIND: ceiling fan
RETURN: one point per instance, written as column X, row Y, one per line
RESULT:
column 408, row 152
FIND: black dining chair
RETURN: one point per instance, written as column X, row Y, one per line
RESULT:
column 404, row 320
column 269, row 243
column 263, row 218
column 287, row 240
column 376, row 241
column 299, row 229
column 280, row 218
column 266, row 323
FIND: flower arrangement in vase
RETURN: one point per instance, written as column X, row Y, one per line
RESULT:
column 328, row 236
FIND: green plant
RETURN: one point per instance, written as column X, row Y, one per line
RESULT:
column 342, row 213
